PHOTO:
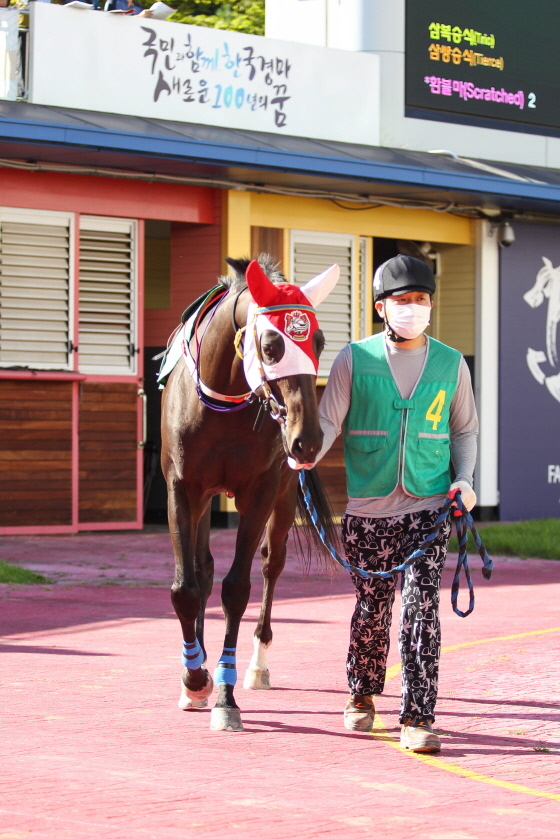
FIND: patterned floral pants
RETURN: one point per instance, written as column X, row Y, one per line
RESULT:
column 377, row 544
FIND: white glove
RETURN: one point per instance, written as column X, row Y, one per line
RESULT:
column 293, row 464
column 468, row 495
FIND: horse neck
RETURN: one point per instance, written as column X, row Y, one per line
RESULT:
column 220, row 367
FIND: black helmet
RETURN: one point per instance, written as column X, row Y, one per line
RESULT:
column 401, row 274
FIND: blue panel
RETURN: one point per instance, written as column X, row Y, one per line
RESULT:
column 189, row 149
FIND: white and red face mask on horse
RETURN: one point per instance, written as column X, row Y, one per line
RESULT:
column 289, row 310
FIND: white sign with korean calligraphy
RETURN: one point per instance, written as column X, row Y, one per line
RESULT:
column 99, row 61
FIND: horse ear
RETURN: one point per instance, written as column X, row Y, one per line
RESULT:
column 321, row 286
column 261, row 288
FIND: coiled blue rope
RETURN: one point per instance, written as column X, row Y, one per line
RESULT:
column 463, row 523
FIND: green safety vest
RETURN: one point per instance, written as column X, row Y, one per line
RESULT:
column 389, row 440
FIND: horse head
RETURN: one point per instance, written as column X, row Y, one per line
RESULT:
column 281, row 355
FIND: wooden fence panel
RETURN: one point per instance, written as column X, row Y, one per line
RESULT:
column 35, row 453
column 108, row 452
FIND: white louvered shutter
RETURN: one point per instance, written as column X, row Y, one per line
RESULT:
column 107, row 295
column 35, row 289
column 311, row 254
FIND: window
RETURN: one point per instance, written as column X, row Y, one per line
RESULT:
column 37, row 300
column 311, row 254
column 107, row 340
column 35, row 289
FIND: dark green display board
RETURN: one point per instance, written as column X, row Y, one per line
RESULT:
column 487, row 62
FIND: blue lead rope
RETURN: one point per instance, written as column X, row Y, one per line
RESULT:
column 463, row 523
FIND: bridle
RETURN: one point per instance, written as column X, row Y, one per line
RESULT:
column 209, row 397
column 278, row 411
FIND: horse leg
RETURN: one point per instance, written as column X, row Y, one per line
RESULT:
column 273, row 552
column 186, row 595
column 236, row 589
column 204, row 570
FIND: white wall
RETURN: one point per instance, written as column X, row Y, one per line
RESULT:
column 378, row 26
column 302, row 21
column 195, row 74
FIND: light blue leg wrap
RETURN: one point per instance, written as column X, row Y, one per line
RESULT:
column 225, row 672
column 193, row 657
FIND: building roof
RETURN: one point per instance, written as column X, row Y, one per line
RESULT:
column 222, row 157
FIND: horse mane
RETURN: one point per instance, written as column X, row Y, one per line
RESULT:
column 239, row 266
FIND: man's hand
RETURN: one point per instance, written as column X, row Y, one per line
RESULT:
column 468, row 494
column 293, row 464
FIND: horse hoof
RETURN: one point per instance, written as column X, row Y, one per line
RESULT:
column 204, row 692
column 257, row 680
column 185, row 702
column 225, row 719
column 191, row 700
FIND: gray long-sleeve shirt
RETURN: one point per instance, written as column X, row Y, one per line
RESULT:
column 406, row 367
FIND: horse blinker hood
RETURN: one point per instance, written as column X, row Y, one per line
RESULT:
column 290, row 312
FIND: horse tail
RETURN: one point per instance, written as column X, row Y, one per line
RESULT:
column 306, row 536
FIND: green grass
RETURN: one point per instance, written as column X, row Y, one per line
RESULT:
column 14, row 574
column 525, row 539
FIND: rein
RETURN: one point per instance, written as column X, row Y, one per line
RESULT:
column 463, row 523
column 206, row 395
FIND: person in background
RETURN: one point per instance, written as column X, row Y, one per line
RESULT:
column 405, row 405
column 128, row 6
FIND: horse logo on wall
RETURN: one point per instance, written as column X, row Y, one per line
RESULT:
column 547, row 286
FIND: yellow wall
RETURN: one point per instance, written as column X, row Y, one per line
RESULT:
column 236, row 224
column 388, row 222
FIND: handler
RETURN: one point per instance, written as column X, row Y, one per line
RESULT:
column 406, row 408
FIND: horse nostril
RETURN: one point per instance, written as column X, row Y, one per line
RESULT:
column 297, row 446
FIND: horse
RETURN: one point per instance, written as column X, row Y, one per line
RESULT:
column 254, row 353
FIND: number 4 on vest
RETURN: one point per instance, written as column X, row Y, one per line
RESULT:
column 435, row 409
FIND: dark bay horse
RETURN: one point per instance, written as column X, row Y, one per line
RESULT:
column 208, row 448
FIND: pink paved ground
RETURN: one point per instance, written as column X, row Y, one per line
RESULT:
column 93, row 744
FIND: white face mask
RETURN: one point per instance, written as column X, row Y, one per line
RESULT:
column 408, row 320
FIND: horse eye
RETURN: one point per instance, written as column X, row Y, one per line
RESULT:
column 318, row 343
column 272, row 347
